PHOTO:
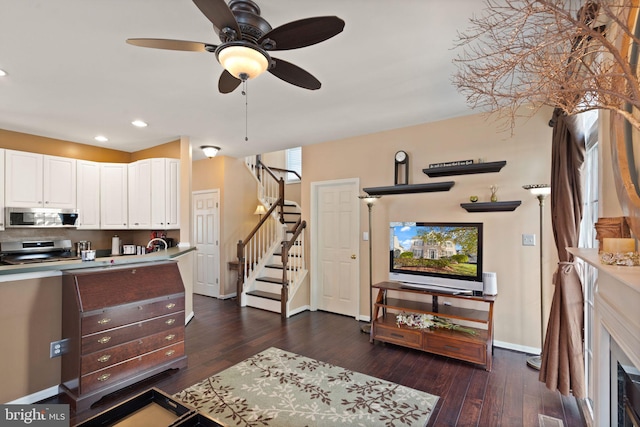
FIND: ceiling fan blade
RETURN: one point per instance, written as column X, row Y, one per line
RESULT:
column 293, row 74
column 227, row 82
column 304, row 32
column 218, row 12
column 171, row 44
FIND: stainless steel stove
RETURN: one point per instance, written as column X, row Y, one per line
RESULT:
column 36, row 251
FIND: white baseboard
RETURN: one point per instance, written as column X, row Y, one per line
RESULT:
column 227, row 296
column 36, row 397
column 299, row 310
column 516, row 347
column 189, row 318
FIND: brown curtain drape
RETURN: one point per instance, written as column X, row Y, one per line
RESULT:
column 562, row 357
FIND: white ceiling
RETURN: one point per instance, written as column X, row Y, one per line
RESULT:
column 71, row 75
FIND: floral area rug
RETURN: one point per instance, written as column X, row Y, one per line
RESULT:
column 278, row 388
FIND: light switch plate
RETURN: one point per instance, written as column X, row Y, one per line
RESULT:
column 528, row 240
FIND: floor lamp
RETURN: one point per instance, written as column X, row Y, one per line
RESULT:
column 541, row 191
column 369, row 200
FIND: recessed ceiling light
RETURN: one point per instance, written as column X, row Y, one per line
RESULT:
column 101, row 138
column 139, row 123
column 3, row 73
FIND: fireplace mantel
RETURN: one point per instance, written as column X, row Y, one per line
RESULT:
column 616, row 302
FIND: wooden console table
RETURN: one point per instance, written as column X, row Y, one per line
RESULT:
column 475, row 348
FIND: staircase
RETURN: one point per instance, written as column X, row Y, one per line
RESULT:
column 271, row 260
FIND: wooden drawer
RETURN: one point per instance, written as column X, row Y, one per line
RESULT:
column 113, row 286
column 136, row 366
column 475, row 352
column 112, row 337
column 113, row 355
column 112, row 317
column 395, row 335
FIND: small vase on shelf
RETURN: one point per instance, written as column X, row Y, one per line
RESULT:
column 494, row 190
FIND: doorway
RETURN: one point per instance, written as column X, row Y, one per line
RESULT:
column 335, row 225
column 206, row 230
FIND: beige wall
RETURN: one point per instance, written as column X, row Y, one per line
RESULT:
column 238, row 200
column 29, row 322
column 55, row 147
column 528, row 156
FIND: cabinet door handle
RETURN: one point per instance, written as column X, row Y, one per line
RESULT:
column 169, row 353
column 170, row 337
column 170, row 321
column 397, row 335
column 104, row 340
column 450, row 347
column 104, row 321
column 104, row 377
column 104, row 358
column 170, row 305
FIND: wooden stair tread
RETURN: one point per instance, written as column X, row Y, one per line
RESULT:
column 278, row 266
column 263, row 294
column 270, row 280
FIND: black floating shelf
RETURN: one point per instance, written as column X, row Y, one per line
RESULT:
column 465, row 169
column 409, row 188
column 491, row 206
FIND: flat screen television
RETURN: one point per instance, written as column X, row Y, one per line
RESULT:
column 439, row 256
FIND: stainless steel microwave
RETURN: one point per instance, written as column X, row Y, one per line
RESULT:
column 40, row 218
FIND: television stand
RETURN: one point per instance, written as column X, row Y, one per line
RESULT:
column 475, row 348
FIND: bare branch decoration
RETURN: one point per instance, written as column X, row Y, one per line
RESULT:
column 560, row 53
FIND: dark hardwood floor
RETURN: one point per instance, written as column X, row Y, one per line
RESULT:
column 222, row 334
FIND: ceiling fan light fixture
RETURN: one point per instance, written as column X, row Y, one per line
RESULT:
column 243, row 62
column 209, row 150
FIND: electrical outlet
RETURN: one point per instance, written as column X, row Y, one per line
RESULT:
column 58, row 348
column 528, row 240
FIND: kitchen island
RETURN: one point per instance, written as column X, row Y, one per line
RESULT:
column 31, row 318
column 56, row 267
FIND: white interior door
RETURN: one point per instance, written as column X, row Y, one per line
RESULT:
column 206, row 228
column 336, row 272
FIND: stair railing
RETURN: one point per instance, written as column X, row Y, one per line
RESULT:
column 266, row 233
column 291, row 266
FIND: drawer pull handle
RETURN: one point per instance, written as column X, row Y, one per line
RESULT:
column 170, row 337
column 450, row 347
column 170, row 305
column 104, row 340
column 170, row 321
column 169, row 353
column 104, row 321
column 397, row 335
column 104, row 358
column 104, row 377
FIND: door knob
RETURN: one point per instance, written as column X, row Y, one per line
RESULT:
column 353, row 256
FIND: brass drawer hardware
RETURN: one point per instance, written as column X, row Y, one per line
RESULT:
column 170, row 321
column 104, row 321
column 170, row 337
column 170, row 353
column 104, row 340
column 104, row 358
column 170, row 305
column 104, row 377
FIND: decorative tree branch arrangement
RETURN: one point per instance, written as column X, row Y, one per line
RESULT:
column 566, row 54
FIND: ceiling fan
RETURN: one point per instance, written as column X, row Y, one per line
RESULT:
column 246, row 38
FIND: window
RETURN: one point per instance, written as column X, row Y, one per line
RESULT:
column 589, row 274
column 294, row 163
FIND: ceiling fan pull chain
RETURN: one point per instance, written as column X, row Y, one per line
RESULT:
column 246, row 108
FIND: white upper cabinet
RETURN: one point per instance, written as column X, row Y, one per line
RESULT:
column 88, row 179
column 165, row 194
column 113, row 196
column 140, row 178
column 35, row 181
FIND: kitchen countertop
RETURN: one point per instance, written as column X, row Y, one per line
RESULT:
column 162, row 255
